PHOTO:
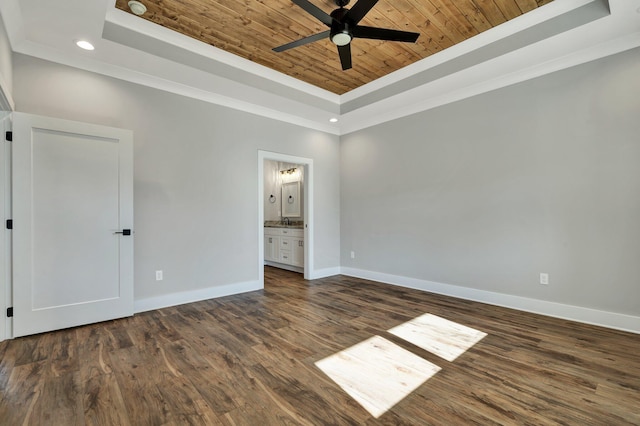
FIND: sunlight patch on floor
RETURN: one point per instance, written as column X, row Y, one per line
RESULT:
column 377, row 373
column 441, row 337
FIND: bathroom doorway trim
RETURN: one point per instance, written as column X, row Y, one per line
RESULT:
column 308, row 209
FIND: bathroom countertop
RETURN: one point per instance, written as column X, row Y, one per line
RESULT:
column 294, row 224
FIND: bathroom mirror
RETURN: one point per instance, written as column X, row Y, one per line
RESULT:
column 291, row 199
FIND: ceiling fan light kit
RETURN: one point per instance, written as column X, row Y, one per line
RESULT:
column 343, row 24
column 341, row 39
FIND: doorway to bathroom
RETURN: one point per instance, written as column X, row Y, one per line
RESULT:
column 285, row 214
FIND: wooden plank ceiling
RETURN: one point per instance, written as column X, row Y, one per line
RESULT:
column 251, row 28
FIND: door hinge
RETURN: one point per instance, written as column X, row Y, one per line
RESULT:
column 9, row 136
column 9, row 223
column 10, row 312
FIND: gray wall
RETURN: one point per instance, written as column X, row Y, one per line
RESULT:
column 484, row 193
column 490, row 191
column 6, row 71
column 195, row 174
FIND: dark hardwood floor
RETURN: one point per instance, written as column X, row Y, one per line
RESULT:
column 249, row 360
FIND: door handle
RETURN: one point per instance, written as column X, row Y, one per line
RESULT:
column 124, row 232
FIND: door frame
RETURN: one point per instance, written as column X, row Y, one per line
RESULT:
column 308, row 209
column 6, row 108
column 6, row 326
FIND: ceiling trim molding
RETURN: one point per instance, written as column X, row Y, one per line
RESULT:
column 389, row 110
column 349, row 122
column 606, row 36
column 487, row 46
column 231, row 81
column 502, row 31
column 123, row 19
column 84, row 63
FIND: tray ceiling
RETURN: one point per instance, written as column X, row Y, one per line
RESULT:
column 250, row 29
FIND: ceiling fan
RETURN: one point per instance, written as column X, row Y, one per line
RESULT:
column 343, row 24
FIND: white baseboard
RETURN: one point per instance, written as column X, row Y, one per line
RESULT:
column 314, row 275
column 284, row 266
column 326, row 272
column 173, row 299
column 558, row 310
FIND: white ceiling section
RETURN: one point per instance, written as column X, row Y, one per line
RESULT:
column 558, row 35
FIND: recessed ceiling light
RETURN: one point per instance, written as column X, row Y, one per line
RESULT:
column 333, row 120
column 83, row 44
column 137, row 7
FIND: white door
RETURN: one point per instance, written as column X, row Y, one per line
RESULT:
column 72, row 199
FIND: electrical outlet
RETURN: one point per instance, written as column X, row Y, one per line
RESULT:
column 544, row 278
column 353, row 254
column 158, row 275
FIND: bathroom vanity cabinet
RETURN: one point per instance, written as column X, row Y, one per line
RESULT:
column 284, row 246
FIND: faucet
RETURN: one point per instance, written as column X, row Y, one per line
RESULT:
column 286, row 221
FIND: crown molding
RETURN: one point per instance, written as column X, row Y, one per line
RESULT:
column 224, row 79
column 502, row 31
column 86, row 63
column 465, row 84
column 241, row 66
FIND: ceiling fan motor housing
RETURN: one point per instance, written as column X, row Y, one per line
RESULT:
column 340, row 28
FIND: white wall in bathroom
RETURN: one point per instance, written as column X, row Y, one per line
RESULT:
column 273, row 185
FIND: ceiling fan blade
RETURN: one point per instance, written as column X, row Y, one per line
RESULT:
column 345, row 56
column 302, row 41
column 384, row 34
column 361, row 8
column 314, row 10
